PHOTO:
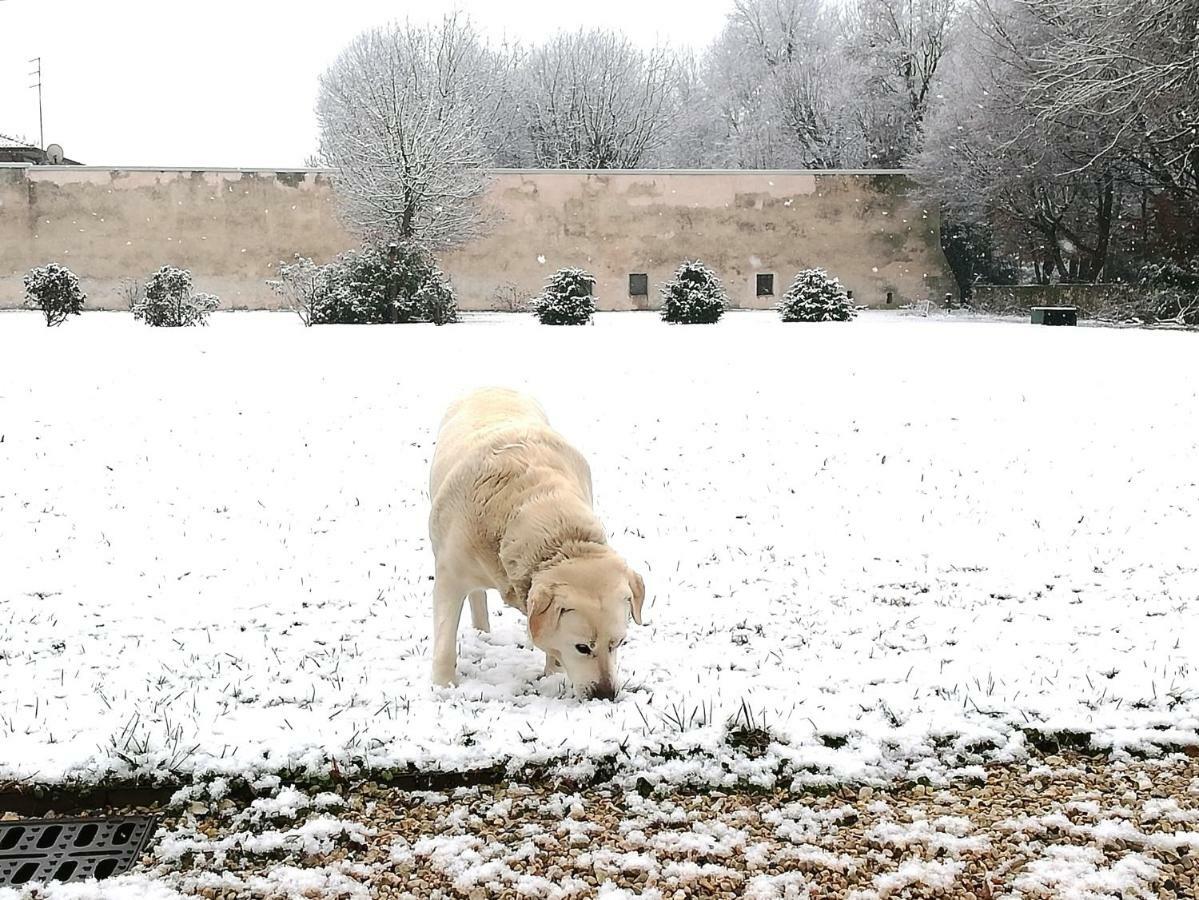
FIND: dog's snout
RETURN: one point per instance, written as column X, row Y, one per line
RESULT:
column 602, row 691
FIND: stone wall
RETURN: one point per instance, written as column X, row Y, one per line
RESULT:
column 232, row 227
column 1091, row 299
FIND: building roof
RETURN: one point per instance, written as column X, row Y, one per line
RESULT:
column 12, row 143
column 21, row 152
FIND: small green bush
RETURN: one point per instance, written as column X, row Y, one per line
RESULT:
column 168, row 301
column 815, row 296
column 693, row 296
column 54, row 289
column 566, row 300
column 377, row 285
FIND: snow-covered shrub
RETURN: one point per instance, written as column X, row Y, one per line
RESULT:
column 306, row 287
column 54, row 290
column 382, row 283
column 168, row 301
column 436, row 299
column 566, row 299
column 377, row 285
column 815, row 296
column 694, row 296
column 1171, row 293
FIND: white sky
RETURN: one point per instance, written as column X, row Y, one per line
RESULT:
column 224, row 83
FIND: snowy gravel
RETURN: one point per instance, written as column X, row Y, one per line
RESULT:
column 900, row 542
column 1070, row 827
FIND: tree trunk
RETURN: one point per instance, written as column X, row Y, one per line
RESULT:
column 1059, row 264
column 407, row 226
column 1103, row 228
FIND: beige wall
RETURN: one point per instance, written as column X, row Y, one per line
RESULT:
column 231, row 228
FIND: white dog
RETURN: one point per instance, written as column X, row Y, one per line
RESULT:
column 512, row 512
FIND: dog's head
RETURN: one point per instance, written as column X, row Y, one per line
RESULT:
column 578, row 613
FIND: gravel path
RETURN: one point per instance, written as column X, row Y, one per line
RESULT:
column 1062, row 826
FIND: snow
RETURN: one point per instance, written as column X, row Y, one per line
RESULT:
column 918, row 537
column 1083, row 873
column 471, row 863
column 314, row 837
column 769, row 887
column 944, row 835
column 122, row 887
column 940, row 875
column 1114, row 832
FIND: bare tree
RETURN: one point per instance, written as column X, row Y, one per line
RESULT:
column 696, row 139
column 750, row 132
column 898, row 46
column 1131, row 69
column 779, row 79
column 400, row 115
column 986, row 160
column 592, row 100
column 507, row 297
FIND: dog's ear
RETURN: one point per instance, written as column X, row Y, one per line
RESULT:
column 638, row 585
column 541, row 607
column 518, row 595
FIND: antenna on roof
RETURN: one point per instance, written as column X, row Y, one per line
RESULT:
column 54, row 155
column 40, row 124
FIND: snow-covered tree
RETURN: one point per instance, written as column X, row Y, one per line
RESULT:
column 1127, row 74
column 815, row 296
column 897, row 46
column 590, row 99
column 1132, row 68
column 693, row 296
column 986, row 160
column 697, row 139
column 54, row 289
column 566, row 300
column 409, row 119
column 782, row 87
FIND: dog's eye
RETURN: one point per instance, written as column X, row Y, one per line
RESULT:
column 584, row 649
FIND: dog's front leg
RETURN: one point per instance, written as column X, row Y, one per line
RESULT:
column 448, row 598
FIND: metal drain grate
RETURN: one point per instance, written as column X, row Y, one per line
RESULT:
column 71, row 849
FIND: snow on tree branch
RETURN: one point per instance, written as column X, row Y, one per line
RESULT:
column 400, row 115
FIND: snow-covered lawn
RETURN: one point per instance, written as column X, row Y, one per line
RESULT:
column 900, row 542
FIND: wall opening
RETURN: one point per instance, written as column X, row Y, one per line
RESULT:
column 765, row 285
column 638, row 284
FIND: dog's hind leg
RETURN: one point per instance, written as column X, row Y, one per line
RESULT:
column 478, row 610
column 448, row 597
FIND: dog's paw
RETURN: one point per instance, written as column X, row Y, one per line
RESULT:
column 443, row 677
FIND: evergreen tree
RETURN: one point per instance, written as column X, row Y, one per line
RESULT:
column 815, row 296
column 566, row 300
column 694, row 296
